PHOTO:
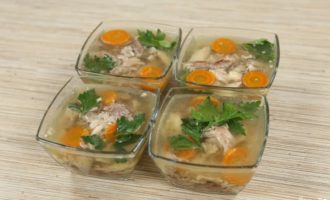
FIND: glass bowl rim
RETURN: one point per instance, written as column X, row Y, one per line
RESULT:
column 132, row 153
column 154, row 156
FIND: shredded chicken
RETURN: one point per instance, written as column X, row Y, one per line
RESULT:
column 129, row 67
column 196, row 65
column 217, row 139
column 134, row 49
column 98, row 120
column 137, row 48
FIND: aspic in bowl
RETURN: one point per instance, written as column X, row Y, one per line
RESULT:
column 209, row 142
column 131, row 52
column 228, row 58
column 96, row 129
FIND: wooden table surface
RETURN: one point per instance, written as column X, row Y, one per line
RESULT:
column 40, row 41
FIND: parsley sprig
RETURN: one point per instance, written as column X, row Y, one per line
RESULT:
column 157, row 40
column 262, row 49
column 99, row 64
column 87, row 101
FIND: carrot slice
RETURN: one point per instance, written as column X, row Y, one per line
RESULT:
column 72, row 136
column 223, row 46
column 108, row 97
column 109, row 133
column 236, row 155
column 255, row 79
column 238, row 178
column 151, row 71
column 115, row 37
column 186, row 154
column 200, row 99
column 201, row 76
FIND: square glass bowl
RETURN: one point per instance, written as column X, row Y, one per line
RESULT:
column 109, row 163
column 135, row 62
column 205, row 167
column 237, row 59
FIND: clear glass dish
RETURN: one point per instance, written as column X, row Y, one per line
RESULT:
column 200, row 37
column 103, row 164
column 146, row 83
column 206, row 175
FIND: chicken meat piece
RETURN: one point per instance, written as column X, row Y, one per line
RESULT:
column 196, row 65
column 219, row 138
column 124, row 71
column 128, row 67
column 221, row 75
column 137, row 47
column 98, row 120
column 134, row 49
column 227, row 78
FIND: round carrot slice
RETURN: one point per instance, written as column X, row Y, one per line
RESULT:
column 201, row 76
column 115, row 37
column 235, row 156
column 200, row 99
column 223, row 46
column 72, row 136
column 186, row 154
column 239, row 178
column 255, row 79
column 109, row 133
column 108, row 97
column 151, row 71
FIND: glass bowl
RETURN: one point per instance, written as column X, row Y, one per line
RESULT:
column 86, row 161
column 229, row 65
column 93, row 43
column 206, row 174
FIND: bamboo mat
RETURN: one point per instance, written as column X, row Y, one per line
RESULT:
column 40, row 41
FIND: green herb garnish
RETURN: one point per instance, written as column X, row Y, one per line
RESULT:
column 207, row 115
column 206, row 111
column 94, row 140
column 126, row 127
column 87, row 101
column 99, row 64
column 262, row 49
column 126, row 131
column 193, row 128
column 182, row 142
column 158, row 40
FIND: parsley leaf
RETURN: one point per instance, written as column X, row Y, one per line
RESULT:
column 127, row 139
column 87, row 101
column 193, row 128
column 249, row 108
column 236, row 127
column 99, row 64
column 126, row 130
column 181, row 142
column 158, row 40
column 94, row 140
column 230, row 111
column 262, row 49
column 206, row 111
column 126, row 127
